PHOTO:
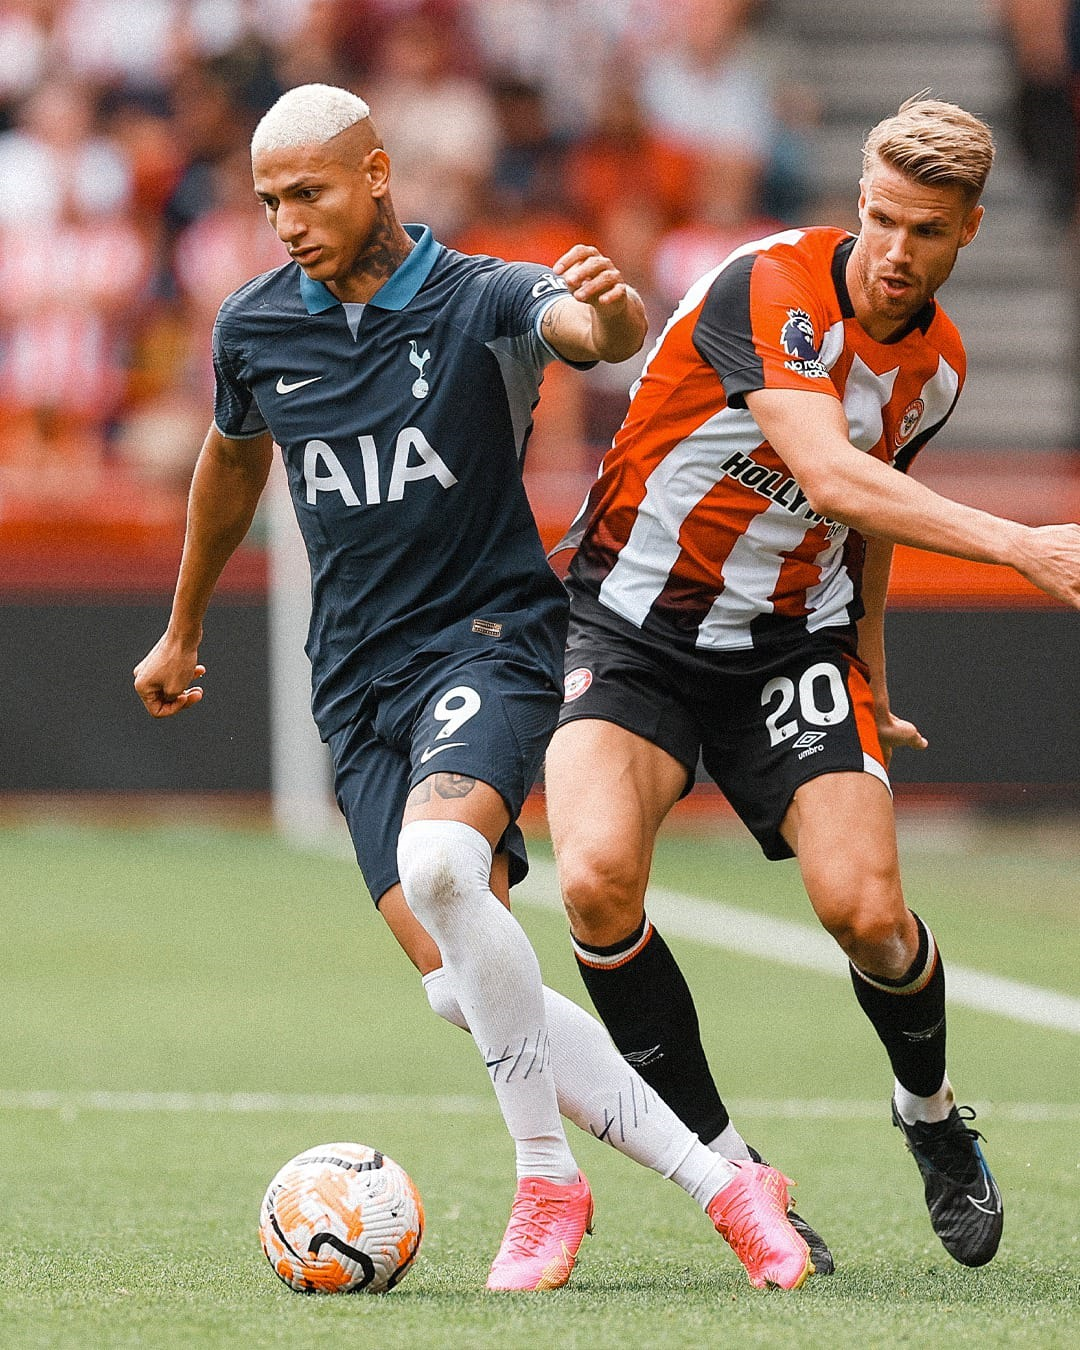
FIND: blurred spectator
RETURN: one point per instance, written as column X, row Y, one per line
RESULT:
column 119, row 43
column 173, row 380
column 726, row 213
column 443, row 132
column 227, row 244
column 560, row 45
column 63, row 344
column 54, row 155
column 233, row 27
column 520, row 212
column 629, row 231
column 509, row 226
column 711, row 81
column 164, row 419
column 703, row 84
column 1043, row 115
column 247, row 62
column 320, row 52
column 209, row 122
column 623, row 158
column 361, row 30
column 146, row 45
column 24, row 42
column 530, row 158
column 145, row 136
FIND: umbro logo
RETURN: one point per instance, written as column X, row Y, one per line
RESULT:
column 287, row 387
column 925, row 1034
column 809, row 738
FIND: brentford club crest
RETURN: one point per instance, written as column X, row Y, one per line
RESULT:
column 576, row 683
column 910, row 420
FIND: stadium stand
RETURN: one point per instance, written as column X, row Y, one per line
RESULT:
column 124, row 127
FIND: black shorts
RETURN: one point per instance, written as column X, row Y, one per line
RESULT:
column 760, row 723
column 484, row 717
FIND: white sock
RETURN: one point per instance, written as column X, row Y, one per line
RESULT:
column 729, row 1143
column 445, row 867
column 929, row 1109
column 606, row 1098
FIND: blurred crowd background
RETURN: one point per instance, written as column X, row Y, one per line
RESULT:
column 664, row 131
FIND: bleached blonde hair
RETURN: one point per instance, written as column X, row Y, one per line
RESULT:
column 935, row 143
column 310, row 114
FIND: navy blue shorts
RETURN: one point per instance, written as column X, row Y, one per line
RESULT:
column 488, row 718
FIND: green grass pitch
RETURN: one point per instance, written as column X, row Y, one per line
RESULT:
column 206, row 961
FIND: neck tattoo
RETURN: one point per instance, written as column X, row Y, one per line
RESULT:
column 386, row 249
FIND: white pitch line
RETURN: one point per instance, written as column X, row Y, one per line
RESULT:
column 238, row 1103
column 796, row 944
column 365, row 1104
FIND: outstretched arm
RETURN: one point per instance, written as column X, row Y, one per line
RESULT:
column 809, row 432
column 225, row 488
column 602, row 319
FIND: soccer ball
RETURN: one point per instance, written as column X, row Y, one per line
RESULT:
column 341, row 1219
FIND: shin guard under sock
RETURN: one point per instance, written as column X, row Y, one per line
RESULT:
column 646, row 1005
column 908, row 1015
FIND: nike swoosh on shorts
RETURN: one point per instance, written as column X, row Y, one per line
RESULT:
column 434, row 750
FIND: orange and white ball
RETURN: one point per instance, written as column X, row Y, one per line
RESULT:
column 341, row 1219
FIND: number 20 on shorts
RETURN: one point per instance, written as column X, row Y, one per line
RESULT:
column 823, row 677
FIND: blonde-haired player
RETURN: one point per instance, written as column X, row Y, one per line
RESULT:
column 727, row 601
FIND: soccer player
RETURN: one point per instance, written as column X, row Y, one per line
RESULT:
column 398, row 378
column 727, row 600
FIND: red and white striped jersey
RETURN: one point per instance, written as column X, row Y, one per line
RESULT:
column 695, row 530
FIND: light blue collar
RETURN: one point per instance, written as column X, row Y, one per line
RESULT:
column 397, row 291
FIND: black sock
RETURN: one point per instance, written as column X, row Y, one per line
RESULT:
column 908, row 1015
column 645, row 1003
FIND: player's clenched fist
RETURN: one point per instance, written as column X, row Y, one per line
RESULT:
column 602, row 317
column 163, row 678
column 590, row 276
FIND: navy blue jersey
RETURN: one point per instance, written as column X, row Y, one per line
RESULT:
column 402, row 423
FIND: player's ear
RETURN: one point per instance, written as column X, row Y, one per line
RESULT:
column 971, row 225
column 377, row 169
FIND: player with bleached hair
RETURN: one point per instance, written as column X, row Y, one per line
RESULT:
column 399, row 377
column 727, row 603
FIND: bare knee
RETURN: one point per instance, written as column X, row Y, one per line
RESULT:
column 863, row 909
column 604, row 894
column 875, row 932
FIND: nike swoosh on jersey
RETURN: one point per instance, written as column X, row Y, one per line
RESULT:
column 434, row 750
column 284, row 387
